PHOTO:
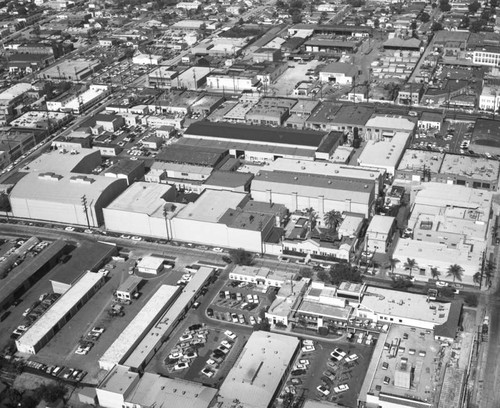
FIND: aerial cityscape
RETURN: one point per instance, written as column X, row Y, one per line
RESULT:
column 249, row 204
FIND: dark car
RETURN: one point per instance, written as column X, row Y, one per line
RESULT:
column 210, row 312
column 298, row 372
column 4, row 315
column 226, row 259
column 195, row 327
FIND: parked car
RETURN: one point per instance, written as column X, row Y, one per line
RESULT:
column 323, row 390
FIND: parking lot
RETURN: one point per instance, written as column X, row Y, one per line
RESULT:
column 294, row 74
column 318, row 368
column 241, row 303
column 449, row 139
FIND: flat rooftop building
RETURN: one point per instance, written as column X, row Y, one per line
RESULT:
column 403, row 370
column 126, row 342
column 57, row 316
column 257, row 375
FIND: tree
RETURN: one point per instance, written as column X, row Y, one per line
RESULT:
column 323, row 276
column 312, row 216
column 413, row 25
column 465, row 22
column 240, row 256
column 344, row 272
column 305, row 273
column 447, row 292
column 455, row 271
column 5, row 204
column 476, row 278
column 332, row 219
column 436, row 26
column 474, row 7
column 493, row 3
column 410, row 264
column 471, row 299
column 425, row 17
column 435, row 273
column 434, row 5
column 51, row 392
column 400, row 282
column 323, row 16
column 476, row 26
column 392, row 89
column 392, row 262
column 444, row 5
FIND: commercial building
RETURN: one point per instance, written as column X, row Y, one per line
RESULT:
column 489, row 98
column 339, row 73
column 65, row 197
column 79, row 102
column 283, row 308
column 260, row 371
column 380, row 127
column 57, row 316
column 41, row 120
column 149, row 344
column 70, row 70
column 261, row 276
column 384, row 153
column 151, row 265
column 162, row 77
column 146, row 59
column 130, row 170
column 474, row 172
column 127, row 289
column 402, row 371
column 62, row 160
column 124, row 388
column 89, row 256
column 485, row 137
column 15, row 284
column 273, row 137
column 130, row 337
column 144, row 206
column 419, row 165
column 486, row 55
column 380, row 233
column 9, row 98
column 299, row 191
column 219, row 220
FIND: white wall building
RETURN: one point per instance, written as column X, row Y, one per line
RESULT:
column 489, row 98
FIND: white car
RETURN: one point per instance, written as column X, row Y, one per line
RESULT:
column 82, row 350
column 225, row 343
column 308, row 342
column 185, row 337
column 175, row 356
column 352, row 357
column 308, row 349
column 230, row 334
column 136, row 238
column 69, row 229
column 212, row 363
column 181, row 366
column 304, row 362
column 217, row 250
column 441, row 284
column 253, row 321
column 323, row 390
column 341, row 388
column 206, row 371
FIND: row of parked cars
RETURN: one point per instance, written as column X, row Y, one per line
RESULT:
column 219, row 354
column 67, row 373
column 34, row 312
column 186, row 349
column 86, row 344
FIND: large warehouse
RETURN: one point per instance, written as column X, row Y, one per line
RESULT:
column 299, row 191
column 66, row 197
column 58, row 315
column 258, row 374
column 89, row 256
column 144, row 206
column 216, row 218
column 279, row 141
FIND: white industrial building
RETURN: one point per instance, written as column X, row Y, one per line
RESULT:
column 57, row 316
column 261, row 276
column 216, row 219
column 79, row 102
column 259, row 372
column 152, row 265
column 127, row 289
column 64, row 197
column 146, row 59
column 147, row 347
column 386, row 153
column 139, row 326
column 144, row 206
column 299, row 191
column 123, row 388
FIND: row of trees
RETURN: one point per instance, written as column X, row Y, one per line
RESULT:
column 454, row 271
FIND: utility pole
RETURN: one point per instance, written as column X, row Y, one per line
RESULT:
column 85, row 209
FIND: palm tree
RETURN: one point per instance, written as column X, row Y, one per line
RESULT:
column 489, row 270
column 455, row 271
column 332, row 219
column 311, row 215
column 476, row 278
column 392, row 262
column 410, row 264
column 435, row 273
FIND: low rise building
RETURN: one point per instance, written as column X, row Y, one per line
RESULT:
column 262, row 277
column 72, row 70
column 380, row 233
column 489, row 98
column 56, row 317
column 151, row 265
column 258, row 374
column 339, row 73
column 128, row 288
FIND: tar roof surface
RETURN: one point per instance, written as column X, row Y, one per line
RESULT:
column 486, row 133
column 176, row 153
column 262, row 134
